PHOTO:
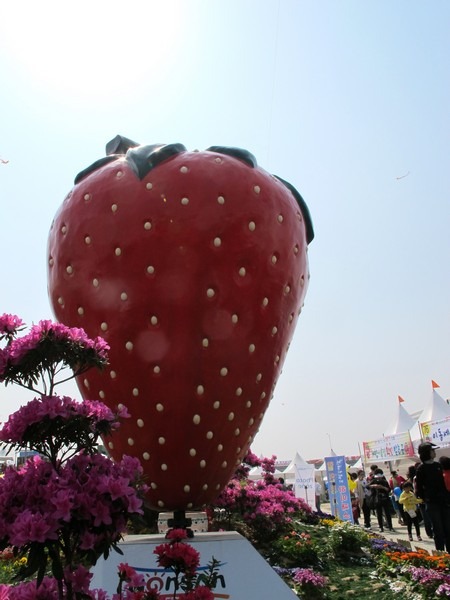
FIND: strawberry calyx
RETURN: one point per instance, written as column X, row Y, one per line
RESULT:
column 142, row 159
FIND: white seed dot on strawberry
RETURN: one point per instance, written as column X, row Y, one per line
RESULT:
column 277, row 359
column 248, row 403
column 114, row 207
column 140, row 423
column 192, row 452
column 256, row 189
column 237, row 431
column 274, row 259
column 86, row 383
column 149, row 186
column 204, row 487
column 242, row 272
column 69, row 269
column 224, row 464
column 224, row 371
column 95, row 282
column 189, row 505
column 200, row 390
column 251, row 348
column 280, row 218
column 265, row 301
column 252, row 225
column 221, row 200
column 263, row 395
column 259, row 377
column 220, row 448
column 231, row 416
column 129, row 345
column 274, row 330
column 217, row 242
column 156, row 369
column 287, row 289
column 150, row 269
column 130, row 442
column 210, row 293
column 154, row 320
column 302, row 280
column 118, row 251
column 251, row 421
column 218, row 160
column 218, row 486
column 119, row 174
column 205, row 342
column 209, row 435
column 153, row 485
column 101, row 394
column 80, row 310
column 184, row 169
column 216, row 404
column 104, row 326
column 160, row 503
column 202, row 464
column 113, row 374
column 63, row 229
column 187, row 489
column 161, row 441
column 111, row 445
column 238, row 449
column 87, row 197
column 185, row 201
column 135, row 392
column 159, row 407
column 196, row 419
column 147, row 225
column 234, row 319
column 87, row 240
column 239, row 391
column 51, row 262
column 61, row 301
column 164, row 467
column 124, row 296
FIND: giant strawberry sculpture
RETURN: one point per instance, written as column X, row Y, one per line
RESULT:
column 193, row 266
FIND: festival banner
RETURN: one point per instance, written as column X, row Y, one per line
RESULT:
column 305, row 484
column 437, row 432
column 338, row 490
column 389, row 447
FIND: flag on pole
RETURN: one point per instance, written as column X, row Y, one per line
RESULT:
column 400, row 399
column 434, row 385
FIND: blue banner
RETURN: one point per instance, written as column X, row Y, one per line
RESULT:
column 338, row 490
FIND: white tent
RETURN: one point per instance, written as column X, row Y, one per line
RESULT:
column 304, row 479
column 256, row 474
column 403, row 422
column 437, row 409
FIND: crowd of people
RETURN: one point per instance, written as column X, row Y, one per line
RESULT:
column 422, row 497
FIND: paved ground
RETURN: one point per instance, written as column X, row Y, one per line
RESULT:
column 399, row 535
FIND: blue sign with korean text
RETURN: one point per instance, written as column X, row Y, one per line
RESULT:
column 338, row 490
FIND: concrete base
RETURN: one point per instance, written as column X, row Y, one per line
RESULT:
column 243, row 574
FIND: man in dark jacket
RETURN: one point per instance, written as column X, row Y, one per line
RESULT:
column 430, row 486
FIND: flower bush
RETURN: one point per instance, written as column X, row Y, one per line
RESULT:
column 346, row 541
column 295, row 549
column 309, row 583
column 68, row 505
column 264, row 506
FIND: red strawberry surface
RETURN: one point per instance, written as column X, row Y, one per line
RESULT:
column 193, row 266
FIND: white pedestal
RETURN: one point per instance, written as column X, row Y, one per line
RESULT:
column 243, row 574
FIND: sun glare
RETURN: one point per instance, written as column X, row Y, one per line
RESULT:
column 92, row 49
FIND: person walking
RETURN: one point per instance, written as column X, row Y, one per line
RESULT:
column 430, row 487
column 363, row 494
column 380, row 500
column 409, row 501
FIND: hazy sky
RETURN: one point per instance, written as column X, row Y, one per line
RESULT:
column 349, row 101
